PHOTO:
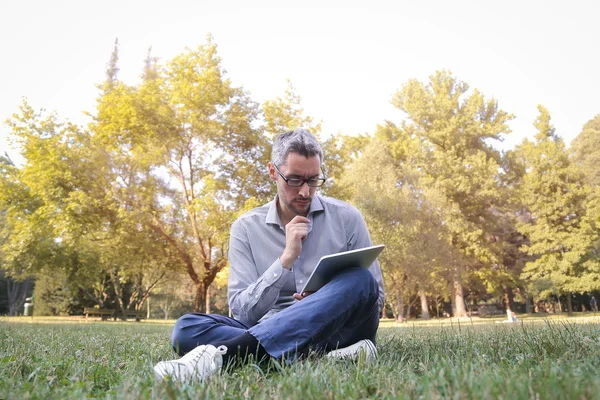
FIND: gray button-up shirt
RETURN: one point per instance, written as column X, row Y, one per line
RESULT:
column 259, row 286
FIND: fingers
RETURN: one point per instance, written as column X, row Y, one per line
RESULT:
column 299, row 219
column 297, row 231
column 302, row 296
column 297, row 228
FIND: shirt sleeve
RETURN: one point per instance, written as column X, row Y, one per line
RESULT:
column 358, row 238
column 251, row 294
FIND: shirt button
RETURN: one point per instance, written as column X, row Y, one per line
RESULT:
column 301, row 281
column 275, row 274
column 256, row 296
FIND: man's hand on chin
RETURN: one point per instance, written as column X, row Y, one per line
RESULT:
column 295, row 232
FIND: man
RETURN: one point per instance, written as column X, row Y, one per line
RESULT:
column 273, row 250
column 593, row 304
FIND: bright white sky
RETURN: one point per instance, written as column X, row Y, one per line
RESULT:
column 345, row 58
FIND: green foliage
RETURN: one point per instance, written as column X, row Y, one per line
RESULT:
column 560, row 230
column 340, row 152
column 286, row 114
column 52, row 294
column 400, row 215
column 152, row 185
column 450, row 133
column 585, row 149
column 193, row 143
column 150, row 188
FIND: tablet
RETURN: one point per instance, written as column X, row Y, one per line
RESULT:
column 330, row 265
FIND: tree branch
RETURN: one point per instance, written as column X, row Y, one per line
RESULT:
column 189, row 264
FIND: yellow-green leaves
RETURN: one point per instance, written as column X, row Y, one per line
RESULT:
column 562, row 227
column 585, row 149
column 286, row 114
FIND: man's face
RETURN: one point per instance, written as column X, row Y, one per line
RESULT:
column 296, row 200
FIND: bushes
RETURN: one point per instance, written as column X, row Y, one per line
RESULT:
column 53, row 295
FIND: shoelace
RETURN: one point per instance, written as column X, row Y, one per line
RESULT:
column 198, row 356
column 220, row 351
column 372, row 347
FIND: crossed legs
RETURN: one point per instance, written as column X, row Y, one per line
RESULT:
column 341, row 313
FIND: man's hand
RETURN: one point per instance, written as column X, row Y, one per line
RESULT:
column 300, row 296
column 295, row 232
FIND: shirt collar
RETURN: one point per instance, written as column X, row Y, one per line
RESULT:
column 273, row 218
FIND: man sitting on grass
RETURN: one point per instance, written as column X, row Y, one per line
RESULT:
column 273, row 250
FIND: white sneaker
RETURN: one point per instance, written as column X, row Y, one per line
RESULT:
column 198, row 364
column 355, row 351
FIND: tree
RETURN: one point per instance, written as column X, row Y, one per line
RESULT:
column 385, row 185
column 53, row 294
column 340, row 152
column 189, row 139
column 71, row 215
column 454, row 132
column 585, row 149
column 153, row 185
column 561, row 231
column 18, row 238
column 286, row 114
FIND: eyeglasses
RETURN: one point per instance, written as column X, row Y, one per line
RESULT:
column 297, row 182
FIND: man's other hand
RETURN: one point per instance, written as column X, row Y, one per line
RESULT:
column 295, row 232
column 303, row 295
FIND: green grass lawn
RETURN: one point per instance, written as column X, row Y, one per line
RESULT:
column 538, row 358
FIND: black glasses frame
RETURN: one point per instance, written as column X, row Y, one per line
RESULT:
column 298, row 182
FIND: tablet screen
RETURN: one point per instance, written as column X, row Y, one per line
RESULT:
column 328, row 266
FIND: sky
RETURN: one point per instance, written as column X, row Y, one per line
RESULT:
column 346, row 59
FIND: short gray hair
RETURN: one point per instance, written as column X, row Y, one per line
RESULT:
column 299, row 141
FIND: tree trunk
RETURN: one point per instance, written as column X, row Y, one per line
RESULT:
column 148, row 308
column 116, row 282
column 208, row 310
column 473, row 305
column 410, row 306
column 459, row 301
column 400, row 306
column 200, row 298
column 528, row 303
column 560, row 307
column 424, row 305
column 570, row 304
column 392, row 309
column 166, row 307
column 510, row 299
column 452, row 297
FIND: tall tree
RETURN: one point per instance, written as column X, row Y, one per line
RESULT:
column 71, row 214
column 561, row 231
column 585, row 149
column 455, row 129
column 13, row 274
column 190, row 144
column 385, row 184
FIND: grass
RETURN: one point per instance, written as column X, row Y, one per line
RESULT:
column 545, row 359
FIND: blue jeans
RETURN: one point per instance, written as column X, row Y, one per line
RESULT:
column 341, row 313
